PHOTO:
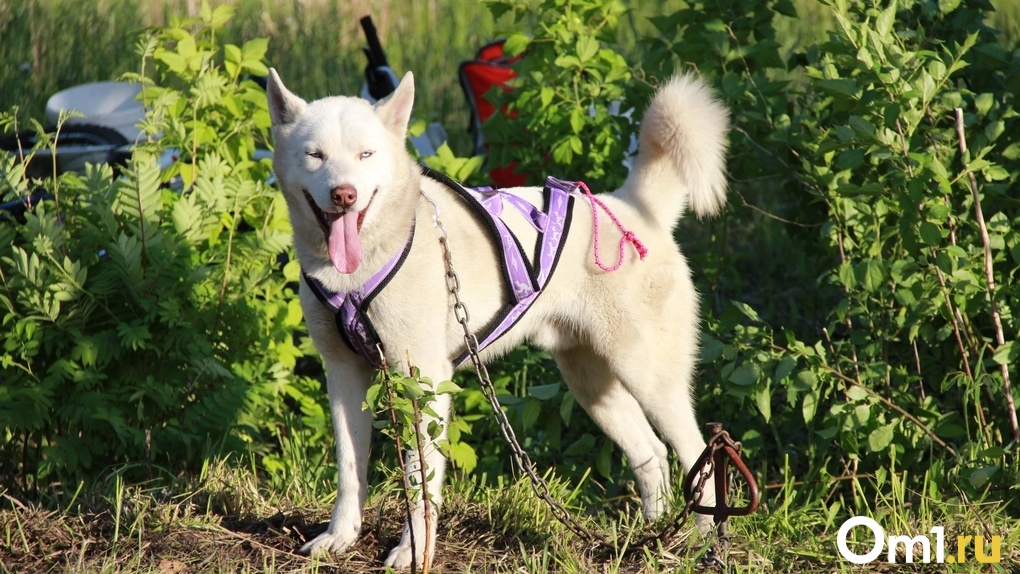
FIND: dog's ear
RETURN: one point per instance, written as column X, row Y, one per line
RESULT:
column 284, row 106
column 395, row 109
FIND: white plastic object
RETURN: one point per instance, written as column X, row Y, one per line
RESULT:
column 109, row 104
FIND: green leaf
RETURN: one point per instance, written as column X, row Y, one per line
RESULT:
column 979, row 477
column 784, row 368
column 568, row 61
column 881, row 438
column 744, row 375
column 463, row 456
column 747, row 311
column 763, row 400
column 186, row 47
column 497, row 8
column 938, row 212
column 434, row 429
column 870, row 274
column 205, row 12
column 587, row 47
column 516, row 44
column 862, row 413
column 711, row 349
column 862, row 127
column 576, row 145
column 546, row 95
column 545, row 392
column 372, row 397
column 448, row 388
column 983, row 103
column 576, row 120
column 994, row 129
column 173, row 61
column 927, row 86
column 221, row 15
column 567, row 407
column 562, row 152
column 255, row 50
column 841, row 86
column 856, row 394
column 930, row 233
column 997, row 173
column 411, row 387
column 809, row 406
column 807, row 379
column 530, row 413
column 786, row 8
column 884, row 23
column 847, row 277
column 581, row 446
column 1007, row 353
column 947, row 6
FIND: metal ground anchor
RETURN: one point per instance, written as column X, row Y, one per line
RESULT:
column 721, row 452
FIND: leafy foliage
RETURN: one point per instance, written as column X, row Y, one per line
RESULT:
column 403, row 402
column 146, row 318
column 854, row 139
column 901, row 374
column 563, row 115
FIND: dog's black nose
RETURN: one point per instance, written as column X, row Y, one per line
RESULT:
column 344, row 195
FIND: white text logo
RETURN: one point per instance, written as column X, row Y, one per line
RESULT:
column 912, row 544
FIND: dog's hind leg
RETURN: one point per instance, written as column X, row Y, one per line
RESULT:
column 347, row 383
column 661, row 384
column 620, row 416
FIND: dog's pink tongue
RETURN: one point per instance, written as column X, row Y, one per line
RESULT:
column 344, row 244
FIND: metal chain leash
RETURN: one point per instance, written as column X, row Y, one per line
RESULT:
column 520, row 457
column 693, row 483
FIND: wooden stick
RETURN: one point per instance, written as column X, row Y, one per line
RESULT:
column 999, row 338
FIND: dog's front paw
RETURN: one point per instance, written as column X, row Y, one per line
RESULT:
column 653, row 509
column 400, row 558
column 705, row 524
column 331, row 542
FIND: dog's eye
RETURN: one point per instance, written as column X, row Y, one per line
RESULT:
column 316, row 154
column 366, row 154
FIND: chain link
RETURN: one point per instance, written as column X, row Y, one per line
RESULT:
column 596, row 540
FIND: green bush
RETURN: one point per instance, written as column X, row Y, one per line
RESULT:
column 147, row 322
column 885, row 356
column 560, row 117
column 904, row 371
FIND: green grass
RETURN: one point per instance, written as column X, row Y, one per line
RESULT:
column 227, row 520
column 316, row 45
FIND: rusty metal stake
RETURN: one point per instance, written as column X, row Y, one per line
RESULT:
column 721, row 451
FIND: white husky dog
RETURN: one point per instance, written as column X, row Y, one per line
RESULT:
column 626, row 341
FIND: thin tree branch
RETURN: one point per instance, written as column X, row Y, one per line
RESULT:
column 894, row 407
column 989, row 276
column 927, row 430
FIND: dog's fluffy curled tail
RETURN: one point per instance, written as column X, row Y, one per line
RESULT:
column 681, row 158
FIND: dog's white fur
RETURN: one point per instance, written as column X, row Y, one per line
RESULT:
column 626, row 342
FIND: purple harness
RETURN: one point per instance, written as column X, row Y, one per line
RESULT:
column 523, row 280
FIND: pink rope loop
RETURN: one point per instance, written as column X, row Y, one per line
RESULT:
column 628, row 236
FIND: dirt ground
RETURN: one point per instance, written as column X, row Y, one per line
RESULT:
column 40, row 540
